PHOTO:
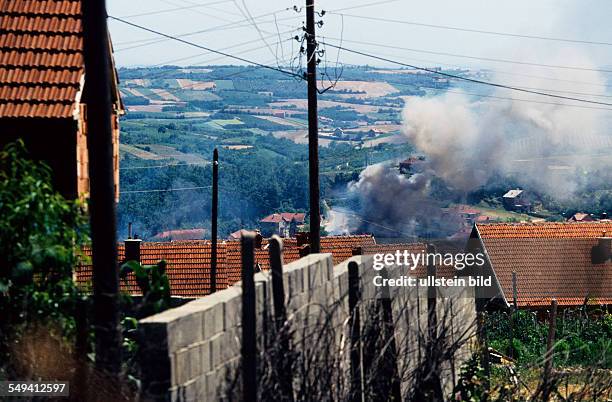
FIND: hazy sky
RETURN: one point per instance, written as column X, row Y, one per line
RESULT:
column 575, row 19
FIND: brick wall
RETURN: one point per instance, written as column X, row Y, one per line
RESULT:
column 191, row 353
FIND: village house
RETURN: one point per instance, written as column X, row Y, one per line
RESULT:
column 581, row 217
column 43, row 89
column 284, row 224
column 532, row 263
column 412, row 165
column 517, row 200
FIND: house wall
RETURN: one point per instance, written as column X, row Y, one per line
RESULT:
column 50, row 140
column 62, row 145
column 192, row 353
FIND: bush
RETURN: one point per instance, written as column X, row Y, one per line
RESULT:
column 40, row 235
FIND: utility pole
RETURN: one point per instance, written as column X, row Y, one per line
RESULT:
column 102, row 187
column 213, row 224
column 313, row 129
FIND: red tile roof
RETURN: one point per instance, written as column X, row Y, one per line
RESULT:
column 550, row 230
column 41, row 57
column 551, row 260
column 188, row 262
column 41, row 61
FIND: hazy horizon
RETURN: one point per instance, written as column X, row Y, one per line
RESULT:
column 571, row 19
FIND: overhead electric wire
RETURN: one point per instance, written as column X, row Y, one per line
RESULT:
column 196, row 83
column 231, row 56
column 164, row 190
column 247, row 14
column 564, row 67
column 479, row 31
column 598, row 95
column 231, row 25
column 467, row 79
column 462, row 92
column 376, row 3
column 169, row 10
column 167, row 165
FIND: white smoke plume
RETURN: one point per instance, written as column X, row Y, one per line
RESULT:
column 469, row 140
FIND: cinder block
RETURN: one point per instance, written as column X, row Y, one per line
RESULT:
column 231, row 344
column 205, row 357
column 190, row 391
column 213, row 320
column 216, row 348
column 195, row 364
column 185, row 331
column 211, row 386
column 182, row 366
column 233, row 312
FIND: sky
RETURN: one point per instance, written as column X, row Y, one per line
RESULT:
column 227, row 28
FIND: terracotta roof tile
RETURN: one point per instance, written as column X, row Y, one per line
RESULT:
column 41, row 62
column 556, row 230
column 50, row 7
column 188, row 262
column 551, row 260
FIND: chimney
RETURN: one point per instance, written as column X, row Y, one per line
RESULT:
column 132, row 246
column 258, row 240
column 304, row 250
column 302, row 238
column 603, row 251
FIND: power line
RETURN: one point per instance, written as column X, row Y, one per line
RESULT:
column 461, row 92
column 580, row 68
column 280, row 70
column 235, row 24
column 168, row 10
column 164, row 190
column 376, row 3
column 164, row 166
column 523, row 87
column 196, row 83
column 473, row 80
column 480, row 31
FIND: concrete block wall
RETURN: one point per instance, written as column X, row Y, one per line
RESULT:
column 192, row 353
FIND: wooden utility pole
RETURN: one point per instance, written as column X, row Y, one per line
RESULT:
column 213, row 224
column 313, row 129
column 102, row 187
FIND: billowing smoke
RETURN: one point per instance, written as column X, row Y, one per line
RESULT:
column 539, row 143
column 392, row 205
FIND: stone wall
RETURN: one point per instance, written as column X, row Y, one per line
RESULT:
column 192, row 353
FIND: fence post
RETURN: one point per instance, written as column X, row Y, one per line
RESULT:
column 432, row 296
column 512, row 312
column 249, row 334
column 389, row 336
column 432, row 377
column 354, row 294
column 548, row 364
column 280, row 318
